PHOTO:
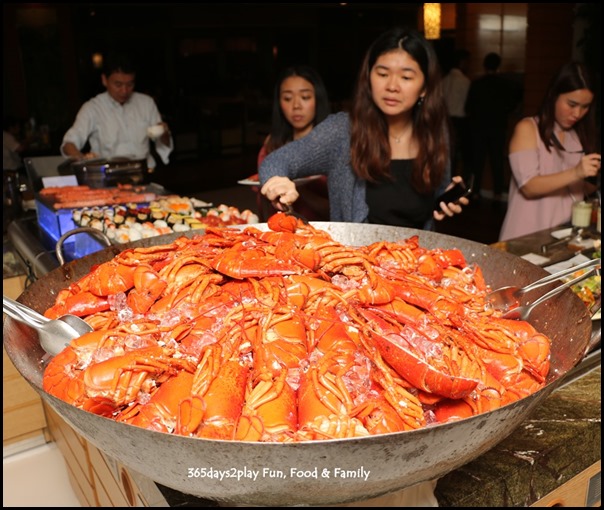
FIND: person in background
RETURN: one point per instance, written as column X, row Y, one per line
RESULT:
column 551, row 155
column 456, row 85
column 13, row 144
column 300, row 102
column 388, row 159
column 115, row 122
column 490, row 100
column 14, row 177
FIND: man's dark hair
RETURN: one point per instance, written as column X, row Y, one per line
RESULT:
column 459, row 56
column 118, row 62
column 492, row 62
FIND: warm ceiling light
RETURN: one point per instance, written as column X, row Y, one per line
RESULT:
column 432, row 21
column 97, row 60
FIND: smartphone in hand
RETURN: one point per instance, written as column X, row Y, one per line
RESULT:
column 455, row 193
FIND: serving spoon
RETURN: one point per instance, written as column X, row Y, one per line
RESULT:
column 54, row 334
column 505, row 298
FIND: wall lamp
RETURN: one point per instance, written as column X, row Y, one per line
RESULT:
column 432, row 21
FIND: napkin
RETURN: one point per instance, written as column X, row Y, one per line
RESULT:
column 567, row 264
column 533, row 258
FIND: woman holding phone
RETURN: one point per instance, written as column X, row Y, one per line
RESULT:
column 386, row 161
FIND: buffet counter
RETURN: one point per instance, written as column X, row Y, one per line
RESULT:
column 552, row 459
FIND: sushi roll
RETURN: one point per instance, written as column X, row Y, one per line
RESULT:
column 122, row 235
column 119, row 216
column 143, row 214
column 135, row 234
column 111, row 232
column 96, row 223
column 174, row 219
column 96, row 213
column 157, row 213
column 181, row 227
column 85, row 220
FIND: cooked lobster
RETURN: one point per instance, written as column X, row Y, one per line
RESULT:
column 287, row 335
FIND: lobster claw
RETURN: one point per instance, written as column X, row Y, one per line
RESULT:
column 406, row 350
column 420, row 373
column 287, row 221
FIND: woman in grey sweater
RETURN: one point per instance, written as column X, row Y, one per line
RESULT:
column 387, row 160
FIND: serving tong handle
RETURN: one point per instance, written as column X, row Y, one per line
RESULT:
column 53, row 334
column 23, row 313
column 523, row 312
column 561, row 274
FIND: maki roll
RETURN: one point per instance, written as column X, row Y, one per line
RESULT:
column 174, row 219
column 143, row 214
column 119, row 216
column 76, row 216
column 96, row 223
column 157, row 213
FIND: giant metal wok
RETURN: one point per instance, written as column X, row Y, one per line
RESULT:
column 219, row 470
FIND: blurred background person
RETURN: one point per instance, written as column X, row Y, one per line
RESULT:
column 300, row 102
column 115, row 123
column 456, row 85
column 551, row 155
column 13, row 144
column 14, row 176
column 388, row 159
column 491, row 98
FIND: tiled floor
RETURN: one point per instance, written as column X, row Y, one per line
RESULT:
column 36, row 477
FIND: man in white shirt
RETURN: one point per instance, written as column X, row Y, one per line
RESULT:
column 455, row 88
column 115, row 122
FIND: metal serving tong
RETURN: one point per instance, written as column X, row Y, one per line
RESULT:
column 54, row 334
column 289, row 209
column 507, row 298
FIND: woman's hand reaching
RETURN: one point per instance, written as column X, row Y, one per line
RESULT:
column 281, row 191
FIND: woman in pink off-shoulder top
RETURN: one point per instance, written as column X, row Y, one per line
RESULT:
column 552, row 154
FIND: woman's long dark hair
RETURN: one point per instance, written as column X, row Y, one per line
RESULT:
column 571, row 76
column 282, row 131
column 370, row 148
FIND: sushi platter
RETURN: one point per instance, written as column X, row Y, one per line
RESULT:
column 165, row 215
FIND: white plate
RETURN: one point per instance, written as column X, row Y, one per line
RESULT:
column 567, row 264
column 301, row 180
column 559, row 234
column 200, row 204
column 533, row 258
column 249, row 182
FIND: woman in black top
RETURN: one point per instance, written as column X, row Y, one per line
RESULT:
column 388, row 159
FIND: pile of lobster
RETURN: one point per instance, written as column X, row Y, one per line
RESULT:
column 287, row 335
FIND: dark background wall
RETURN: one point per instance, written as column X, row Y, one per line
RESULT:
column 199, row 60
column 188, row 55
